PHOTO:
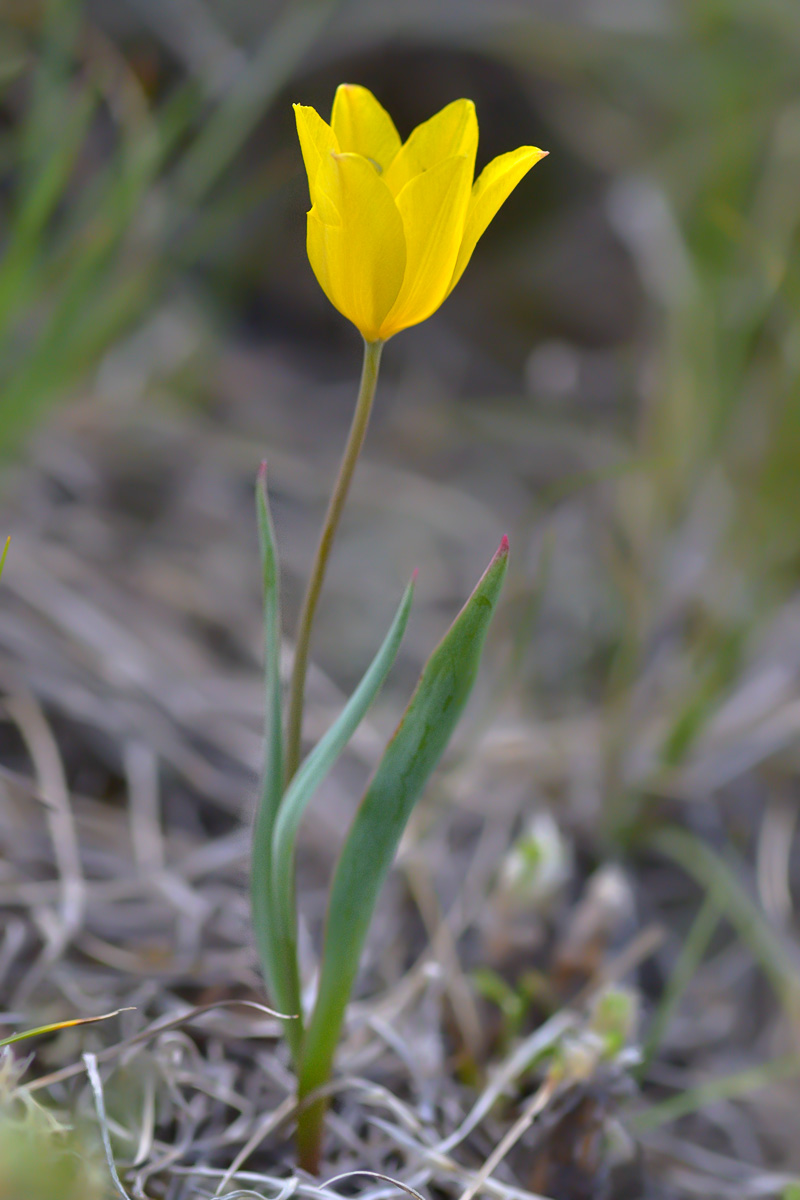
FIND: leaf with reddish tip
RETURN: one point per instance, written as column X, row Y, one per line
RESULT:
column 414, row 751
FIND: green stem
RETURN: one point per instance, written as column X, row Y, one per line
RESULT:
column 310, row 1127
column 355, row 440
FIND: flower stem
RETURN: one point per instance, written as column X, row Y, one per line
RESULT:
column 355, row 440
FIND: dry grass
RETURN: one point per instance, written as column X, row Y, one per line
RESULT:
column 132, row 707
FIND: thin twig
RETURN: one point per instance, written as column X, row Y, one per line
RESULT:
column 537, row 1103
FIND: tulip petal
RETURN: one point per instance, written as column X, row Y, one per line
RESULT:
column 360, row 261
column 491, row 189
column 317, row 143
column 433, row 207
column 317, row 139
column 453, row 131
column 363, row 126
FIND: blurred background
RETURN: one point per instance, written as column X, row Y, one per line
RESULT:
column 614, row 384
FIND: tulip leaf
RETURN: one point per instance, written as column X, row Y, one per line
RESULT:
column 411, row 756
column 314, row 769
column 282, row 984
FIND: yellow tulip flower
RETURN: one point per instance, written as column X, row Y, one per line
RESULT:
column 393, row 224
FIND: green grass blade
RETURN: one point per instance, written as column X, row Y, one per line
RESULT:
column 733, row 900
column 691, row 956
column 36, row 205
column 84, row 322
column 56, row 1026
column 312, row 772
column 408, row 761
column 285, row 44
column 59, row 33
column 264, row 925
column 730, row 1087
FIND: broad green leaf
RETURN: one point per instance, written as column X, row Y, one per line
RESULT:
column 314, row 769
column 409, row 759
column 281, row 978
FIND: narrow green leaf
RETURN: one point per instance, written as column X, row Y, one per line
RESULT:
column 688, row 962
column 726, row 886
column 409, row 759
column 55, row 63
column 85, row 321
column 36, row 206
column 314, row 769
column 712, row 1091
column 284, row 45
column 58, row 1025
column 282, row 985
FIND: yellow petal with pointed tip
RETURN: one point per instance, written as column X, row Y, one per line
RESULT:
column 359, row 262
column 453, row 131
column 317, row 140
column 491, row 189
column 363, row 126
column 433, row 208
